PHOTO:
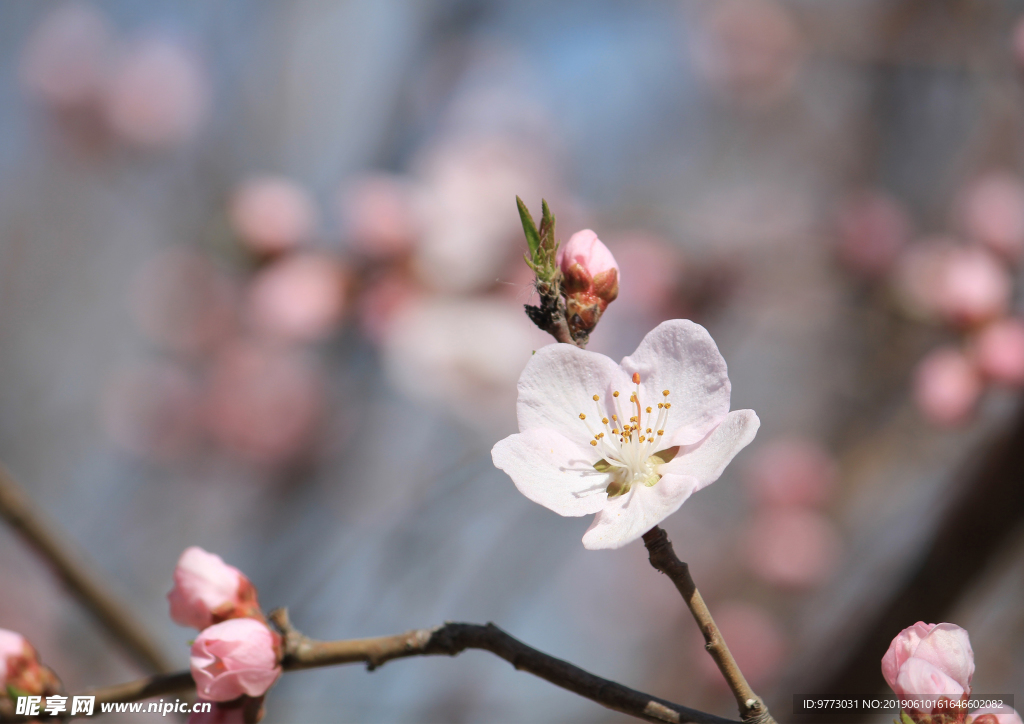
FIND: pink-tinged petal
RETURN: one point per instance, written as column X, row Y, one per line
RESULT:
column 920, row 680
column 203, row 583
column 948, row 647
column 585, row 249
column 625, row 519
column 706, row 459
column 680, row 356
column 901, row 649
column 236, row 657
column 996, row 715
column 553, row 471
column 558, row 383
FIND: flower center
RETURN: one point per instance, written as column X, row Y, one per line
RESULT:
column 631, row 446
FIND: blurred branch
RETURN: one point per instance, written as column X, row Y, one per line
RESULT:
column 664, row 559
column 450, row 639
column 81, row 579
column 978, row 522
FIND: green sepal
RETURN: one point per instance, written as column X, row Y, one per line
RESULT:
column 530, row 229
column 14, row 692
column 666, row 455
column 547, row 229
column 615, row 489
column 904, row 718
column 603, row 466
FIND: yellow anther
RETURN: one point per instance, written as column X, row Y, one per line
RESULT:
column 661, row 405
column 642, row 438
column 648, row 431
column 632, row 397
column 648, row 410
column 661, row 432
column 668, row 405
column 604, row 420
column 594, row 443
column 615, row 431
column 615, row 417
column 582, row 416
column 596, row 398
column 615, row 394
column 665, row 392
column 636, row 378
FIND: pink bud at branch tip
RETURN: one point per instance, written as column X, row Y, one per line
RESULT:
column 930, row 662
column 20, row 668
column 207, row 591
column 590, row 278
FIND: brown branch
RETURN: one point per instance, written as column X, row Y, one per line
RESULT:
column 664, row 559
column 450, row 639
column 80, row 578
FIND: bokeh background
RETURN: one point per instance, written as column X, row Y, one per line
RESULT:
column 261, row 291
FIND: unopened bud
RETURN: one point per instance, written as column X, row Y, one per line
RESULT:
column 207, row 591
column 590, row 278
column 20, row 670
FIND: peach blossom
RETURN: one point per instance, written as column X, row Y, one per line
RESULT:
column 873, row 229
column 157, row 95
column 791, row 471
column 946, row 387
column 235, row 657
column 927, row 661
column 265, row 401
column 590, row 278
column 973, row 287
column 272, row 214
column 379, row 215
column 301, row 297
column 66, row 57
column 999, row 352
column 993, row 209
column 207, row 591
column 792, row 547
column 20, row 667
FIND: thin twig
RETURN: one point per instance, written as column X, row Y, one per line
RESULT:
column 450, row 639
column 81, row 579
column 663, row 558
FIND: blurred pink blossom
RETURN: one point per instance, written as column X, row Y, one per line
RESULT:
column 300, row 296
column 265, row 401
column 157, row 95
column 993, row 209
column 928, row 660
column 182, row 301
column 973, row 287
column 472, row 352
column 207, row 591
column 791, row 471
column 272, row 214
column 235, row 657
column 66, row 58
column 755, row 639
column 998, row 351
column 650, row 269
column 918, row 275
column 873, row 229
column 792, row 547
column 153, row 411
column 12, row 645
column 466, row 205
column 750, row 51
column 20, row 668
column 382, row 301
column 946, row 387
column 995, row 715
column 379, row 215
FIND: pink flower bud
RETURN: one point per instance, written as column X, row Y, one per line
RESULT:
column 995, row 715
column 590, row 278
column 973, row 287
column 20, row 668
column 946, row 387
column 999, row 352
column 272, row 214
column 207, row 591
column 235, row 657
column 928, row 662
column 993, row 210
column 873, row 229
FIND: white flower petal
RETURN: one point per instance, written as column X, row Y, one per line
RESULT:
column 553, row 471
column 559, row 383
column 680, row 356
column 625, row 519
column 706, row 460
